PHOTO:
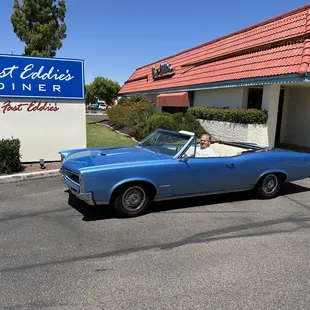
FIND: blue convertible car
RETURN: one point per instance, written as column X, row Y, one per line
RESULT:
column 164, row 166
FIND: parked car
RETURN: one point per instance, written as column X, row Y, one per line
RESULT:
column 164, row 166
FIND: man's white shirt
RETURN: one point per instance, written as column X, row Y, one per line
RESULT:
column 207, row 152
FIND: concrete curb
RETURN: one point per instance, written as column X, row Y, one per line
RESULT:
column 94, row 114
column 28, row 176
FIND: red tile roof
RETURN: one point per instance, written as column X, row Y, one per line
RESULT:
column 280, row 45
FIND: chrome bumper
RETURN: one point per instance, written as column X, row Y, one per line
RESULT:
column 87, row 197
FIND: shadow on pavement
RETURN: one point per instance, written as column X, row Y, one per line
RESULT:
column 95, row 213
column 90, row 213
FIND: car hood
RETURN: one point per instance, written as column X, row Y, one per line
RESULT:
column 77, row 159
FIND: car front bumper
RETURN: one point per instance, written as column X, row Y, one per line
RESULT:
column 86, row 197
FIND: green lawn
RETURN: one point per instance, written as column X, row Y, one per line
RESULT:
column 98, row 135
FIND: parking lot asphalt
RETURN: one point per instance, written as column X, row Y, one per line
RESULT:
column 217, row 252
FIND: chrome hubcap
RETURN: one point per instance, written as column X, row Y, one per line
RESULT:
column 134, row 198
column 270, row 184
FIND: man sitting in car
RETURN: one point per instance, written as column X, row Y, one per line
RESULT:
column 205, row 150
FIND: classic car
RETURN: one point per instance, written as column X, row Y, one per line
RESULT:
column 164, row 166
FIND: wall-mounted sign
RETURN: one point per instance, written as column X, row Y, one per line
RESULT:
column 34, row 106
column 40, row 77
column 162, row 70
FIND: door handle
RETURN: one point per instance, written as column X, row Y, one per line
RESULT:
column 230, row 165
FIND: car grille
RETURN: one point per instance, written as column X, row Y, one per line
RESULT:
column 72, row 176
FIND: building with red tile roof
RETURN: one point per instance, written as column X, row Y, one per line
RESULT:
column 247, row 69
column 278, row 48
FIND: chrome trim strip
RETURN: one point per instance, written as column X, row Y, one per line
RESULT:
column 102, row 203
column 87, row 197
column 200, row 194
column 68, row 182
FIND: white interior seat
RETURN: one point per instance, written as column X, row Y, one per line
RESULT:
column 226, row 150
column 221, row 150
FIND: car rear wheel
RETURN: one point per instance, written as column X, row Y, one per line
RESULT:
column 269, row 186
column 132, row 200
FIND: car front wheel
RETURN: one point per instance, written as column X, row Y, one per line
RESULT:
column 132, row 200
column 269, row 186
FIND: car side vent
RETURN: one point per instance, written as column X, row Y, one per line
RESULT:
column 103, row 154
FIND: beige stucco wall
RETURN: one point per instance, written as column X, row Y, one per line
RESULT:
column 221, row 98
column 263, row 135
column 237, row 132
column 44, row 133
column 270, row 103
column 296, row 117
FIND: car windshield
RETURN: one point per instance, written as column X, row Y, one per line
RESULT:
column 165, row 142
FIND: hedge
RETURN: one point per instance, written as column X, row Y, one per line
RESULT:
column 10, row 156
column 236, row 115
column 174, row 122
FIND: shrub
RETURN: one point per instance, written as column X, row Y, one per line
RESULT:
column 130, row 115
column 236, row 115
column 162, row 121
column 132, row 99
column 190, row 123
column 174, row 122
column 117, row 116
column 10, row 156
column 178, row 117
column 133, row 116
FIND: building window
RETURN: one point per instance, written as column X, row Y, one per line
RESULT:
column 255, row 98
column 173, row 110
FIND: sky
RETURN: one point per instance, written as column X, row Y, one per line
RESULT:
column 114, row 37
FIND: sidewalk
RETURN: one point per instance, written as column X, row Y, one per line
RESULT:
column 28, row 176
column 94, row 114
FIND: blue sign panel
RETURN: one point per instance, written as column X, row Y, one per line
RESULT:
column 38, row 77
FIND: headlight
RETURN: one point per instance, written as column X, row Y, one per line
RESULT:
column 81, row 181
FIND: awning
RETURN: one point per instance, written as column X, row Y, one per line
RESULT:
column 172, row 100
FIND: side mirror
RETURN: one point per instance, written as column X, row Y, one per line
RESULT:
column 184, row 158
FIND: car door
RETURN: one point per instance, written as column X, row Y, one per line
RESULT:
column 209, row 174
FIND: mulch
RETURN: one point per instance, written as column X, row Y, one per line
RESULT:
column 35, row 167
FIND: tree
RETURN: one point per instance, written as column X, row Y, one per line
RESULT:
column 89, row 96
column 103, row 89
column 40, row 24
